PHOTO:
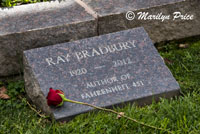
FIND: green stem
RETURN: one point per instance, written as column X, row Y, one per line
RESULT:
column 112, row 111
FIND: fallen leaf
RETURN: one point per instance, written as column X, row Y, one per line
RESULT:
column 168, row 61
column 2, row 93
column 183, row 45
column 3, row 90
column 159, row 48
column 4, row 96
column 120, row 115
column 62, row 122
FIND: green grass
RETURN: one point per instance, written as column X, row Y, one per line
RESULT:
column 11, row 3
column 180, row 115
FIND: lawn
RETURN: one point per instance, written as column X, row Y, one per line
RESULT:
column 180, row 115
column 11, row 3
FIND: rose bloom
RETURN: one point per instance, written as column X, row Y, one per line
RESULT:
column 53, row 97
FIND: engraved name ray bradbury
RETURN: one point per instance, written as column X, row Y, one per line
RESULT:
column 101, row 50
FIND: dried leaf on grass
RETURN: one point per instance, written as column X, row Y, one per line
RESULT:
column 168, row 61
column 3, row 90
column 120, row 115
column 3, row 94
column 183, row 45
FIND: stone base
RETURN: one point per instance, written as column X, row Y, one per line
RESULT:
column 24, row 27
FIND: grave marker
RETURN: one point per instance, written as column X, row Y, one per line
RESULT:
column 105, row 70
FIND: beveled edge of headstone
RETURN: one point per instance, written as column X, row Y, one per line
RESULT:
column 138, row 102
column 33, row 90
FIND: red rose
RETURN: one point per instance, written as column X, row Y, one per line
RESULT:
column 54, row 98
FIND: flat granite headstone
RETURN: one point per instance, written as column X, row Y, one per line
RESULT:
column 105, row 70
